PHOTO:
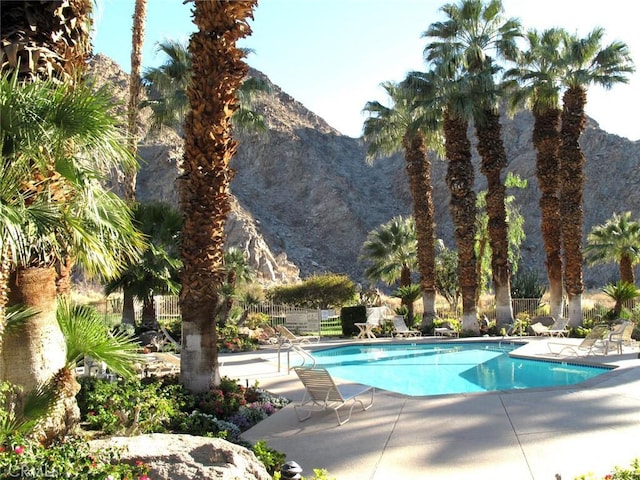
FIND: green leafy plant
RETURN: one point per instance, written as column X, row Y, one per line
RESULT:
column 618, row 473
column 621, row 292
column 71, row 459
column 130, row 406
column 408, row 295
column 271, row 459
column 86, row 334
column 318, row 291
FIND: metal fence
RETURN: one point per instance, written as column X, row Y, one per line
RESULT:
column 327, row 322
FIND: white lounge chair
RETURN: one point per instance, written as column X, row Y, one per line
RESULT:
column 322, row 393
column 557, row 329
column 621, row 334
column 589, row 346
column 445, row 330
column 286, row 336
column 401, row 329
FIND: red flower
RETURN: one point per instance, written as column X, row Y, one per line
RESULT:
column 19, row 450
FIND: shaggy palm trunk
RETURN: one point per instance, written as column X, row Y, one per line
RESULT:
column 46, row 38
column 459, row 178
column 419, row 173
column 571, row 192
column 217, row 72
column 494, row 160
column 135, row 87
column 546, row 140
column 626, row 269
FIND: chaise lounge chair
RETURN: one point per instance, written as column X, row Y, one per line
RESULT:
column 445, row 330
column 322, row 393
column 401, row 329
column 286, row 336
column 589, row 346
column 557, row 329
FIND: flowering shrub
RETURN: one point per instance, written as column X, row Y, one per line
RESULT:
column 72, row 459
column 231, row 340
column 619, row 473
column 206, row 425
column 162, row 405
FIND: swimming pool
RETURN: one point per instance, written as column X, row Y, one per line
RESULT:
column 437, row 369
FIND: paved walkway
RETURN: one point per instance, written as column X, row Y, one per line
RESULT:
column 518, row 435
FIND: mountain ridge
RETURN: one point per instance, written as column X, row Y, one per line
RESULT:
column 312, row 198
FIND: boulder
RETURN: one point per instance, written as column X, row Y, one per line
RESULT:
column 185, row 457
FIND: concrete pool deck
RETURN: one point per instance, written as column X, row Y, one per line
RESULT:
column 515, row 435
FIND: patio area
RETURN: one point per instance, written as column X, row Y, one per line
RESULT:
column 533, row 434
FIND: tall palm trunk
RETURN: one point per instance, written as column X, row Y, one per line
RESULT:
column 546, row 140
column 135, row 87
column 459, row 178
column 218, row 71
column 494, row 160
column 419, row 173
column 571, row 192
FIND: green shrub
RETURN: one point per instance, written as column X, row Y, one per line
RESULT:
column 130, row 406
column 161, row 405
column 319, row 291
column 71, row 459
column 349, row 316
column 619, row 473
column 205, row 425
column 257, row 320
column 270, row 458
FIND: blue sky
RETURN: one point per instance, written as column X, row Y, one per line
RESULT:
column 332, row 55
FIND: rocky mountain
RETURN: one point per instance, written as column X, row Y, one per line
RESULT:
column 306, row 198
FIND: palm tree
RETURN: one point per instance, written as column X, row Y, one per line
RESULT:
column 588, row 62
column 135, row 87
column 168, row 84
column 617, row 240
column 156, row 271
column 443, row 90
column 57, row 143
column 450, row 95
column 217, row 73
column 391, row 251
column 471, row 32
column 407, row 127
column 538, row 75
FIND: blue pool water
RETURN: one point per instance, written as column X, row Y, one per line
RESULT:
column 436, row 369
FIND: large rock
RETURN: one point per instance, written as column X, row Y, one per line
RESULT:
column 187, row 457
